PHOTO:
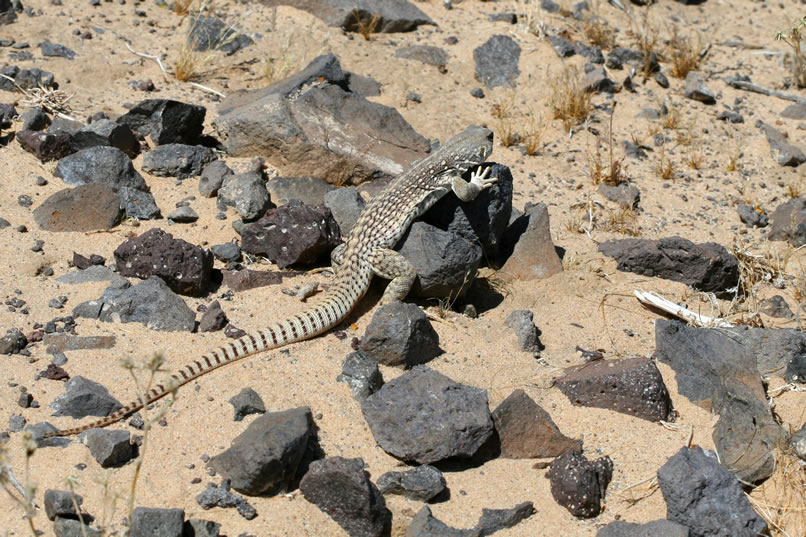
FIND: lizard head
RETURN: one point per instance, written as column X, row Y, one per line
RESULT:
column 470, row 147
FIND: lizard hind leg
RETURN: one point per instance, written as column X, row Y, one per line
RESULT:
column 393, row 266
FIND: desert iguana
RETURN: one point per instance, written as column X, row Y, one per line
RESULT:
column 367, row 252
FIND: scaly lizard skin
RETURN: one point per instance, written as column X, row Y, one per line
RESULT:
column 367, row 252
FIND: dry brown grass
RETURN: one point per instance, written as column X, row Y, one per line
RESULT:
column 645, row 35
column 569, row 100
column 796, row 61
column 672, row 119
column 684, row 52
column 536, row 127
column 609, row 173
column 781, row 500
column 664, row 168
column 695, row 160
column 366, row 23
column 181, row 7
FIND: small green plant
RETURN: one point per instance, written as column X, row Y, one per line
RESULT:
column 569, row 100
column 792, row 37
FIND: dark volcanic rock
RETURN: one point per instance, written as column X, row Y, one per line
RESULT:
column 150, row 302
column 632, row 386
column 45, row 146
column 400, row 334
column 428, row 54
column 529, row 250
column 308, row 190
column 167, row 121
column 61, row 503
column 214, row 318
column 784, row 153
column 247, row 193
column 153, row 522
column 527, row 431
column 702, row 495
column 497, row 62
column 177, row 160
column 111, row 448
column 221, row 496
column 212, row 33
column 102, row 164
column 361, row 373
column 656, row 528
column 707, row 266
column 751, row 216
column 426, row 417
column 247, row 402
column 138, row 204
column 184, row 267
column 264, row 458
column 697, row 90
column 789, row 222
column 522, row 323
column 341, row 488
column 578, row 484
column 84, row 208
column 292, row 234
column 82, row 398
column 419, row 484
column 212, row 178
column 106, row 132
column 13, row 342
column 346, row 205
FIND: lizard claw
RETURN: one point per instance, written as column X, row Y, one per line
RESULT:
column 479, row 178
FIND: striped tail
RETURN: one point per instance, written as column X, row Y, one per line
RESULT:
column 337, row 303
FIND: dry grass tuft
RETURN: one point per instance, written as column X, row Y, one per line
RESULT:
column 536, row 127
column 664, row 167
column 672, row 118
column 569, row 99
column 645, row 35
column 366, row 23
column 684, row 53
column 597, row 30
column 767, row 267
column 190, row 62
column 795, row 61
column 610, row 173
column 181, row 7
column 695, row 160
column 781, row 500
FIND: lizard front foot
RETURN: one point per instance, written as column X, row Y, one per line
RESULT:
column 479, row 178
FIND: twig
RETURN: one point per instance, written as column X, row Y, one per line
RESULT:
column 205, row 88
column 148, row 57
column 734, row 82
column 661, row 303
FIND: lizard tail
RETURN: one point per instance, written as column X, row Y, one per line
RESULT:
column 336, row 304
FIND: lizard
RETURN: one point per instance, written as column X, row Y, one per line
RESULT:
column 367, row 252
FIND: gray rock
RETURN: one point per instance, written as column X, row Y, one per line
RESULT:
column 619, row 56
column 26, row 78
column 784, row 153
column 84, row 208
column 707, row 267
column 93, row 273
column 400, row 334
column 578, row 484
column 394, row 15
column 522, row 323
column 83, row 397
column 166, row 121
column 752, row 217
column 346, row 205
column 185, row 267
column 102, row 164
column 13, row 342
column 16, row 423
column 213, row 319
column 61, row 503
column 493, row 520
column 177, row 160
column 38, row 430
column 656, row 528
column 153, row 522
column 427, row 54
column 497, row 62
column 776, row 306
column 562, row 46
column 201, row 528
column 341, row 489
column 426, row 417
column 106, row 132
column 789, row 222
column 425, row 524
column 363, row 85
column 45, row 146
column 419, row 484
column 697, row 90
column 247, row 402
column 625, row 194
column 264, row 458
column 35, row 119
column 212, row 177
column 183, row 215
column 150, row 302
column 702, row 495
column 65, row 125
column 68, row 527
column 227, row 252
column 283, row 122
column 632, row 386
column 308, row 190
column 247, row 193
column 222, row 497
column 528, row 249
column 798, row 442
column 55, row 49
column 483, row 220
column 597, row 81
column 730, row 116
column 361, row 373
column 794, row 111
column 66, row 342
column 138, row 205
column 445, row 262
column 292, row 234
column 111, row 448
column 527, row 431
column 212, row 33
